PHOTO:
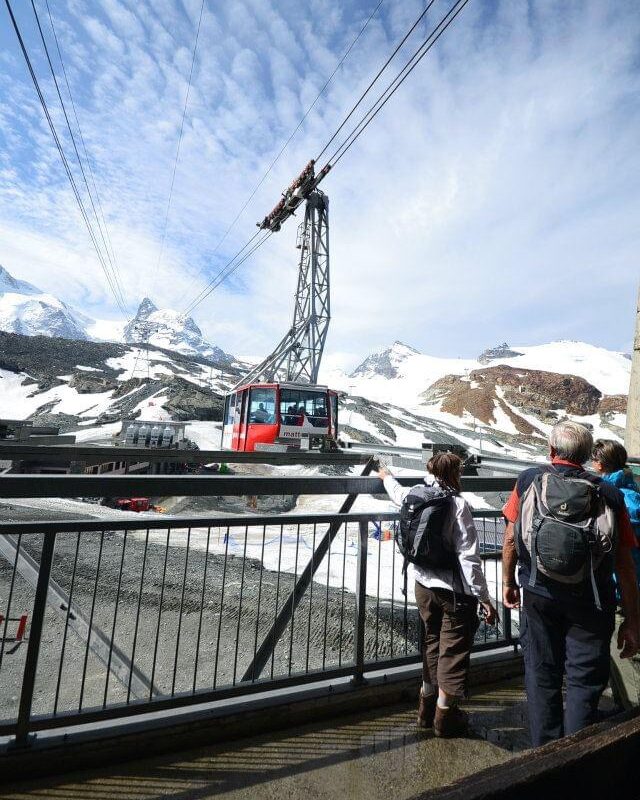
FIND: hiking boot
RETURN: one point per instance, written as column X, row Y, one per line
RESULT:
column 450, row 722
column 426, row 710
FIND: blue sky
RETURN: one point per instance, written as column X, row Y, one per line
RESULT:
column 495, row 198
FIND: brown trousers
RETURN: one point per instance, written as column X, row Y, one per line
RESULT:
column 448, row 637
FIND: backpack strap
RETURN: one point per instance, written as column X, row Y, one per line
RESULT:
column 538, row 519
column 594, row 585
column 405, row 564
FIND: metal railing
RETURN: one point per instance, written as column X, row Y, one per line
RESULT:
column 133, row 615
column 215, row 485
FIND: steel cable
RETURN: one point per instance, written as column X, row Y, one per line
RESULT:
column 115, row 274
column 288, row 141
column 226, row 272
column 82, row 140
column 372, row 83
column 61, row 152
column 180, row 135
column 408, row 68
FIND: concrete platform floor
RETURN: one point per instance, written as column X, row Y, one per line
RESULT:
column 373, row 756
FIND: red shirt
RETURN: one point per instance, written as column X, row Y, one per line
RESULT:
column 626, row 537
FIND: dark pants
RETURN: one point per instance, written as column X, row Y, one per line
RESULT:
column 449, row 628
column 557, row 639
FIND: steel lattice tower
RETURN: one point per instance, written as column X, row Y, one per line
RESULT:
column 297, row 357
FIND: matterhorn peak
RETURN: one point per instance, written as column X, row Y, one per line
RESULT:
column 170, row 330
column 146, row 307
column 402, row 347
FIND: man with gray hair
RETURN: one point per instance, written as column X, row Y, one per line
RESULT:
column 568, row 532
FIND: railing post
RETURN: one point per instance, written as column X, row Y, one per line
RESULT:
column 22, row 738
column 361, row 602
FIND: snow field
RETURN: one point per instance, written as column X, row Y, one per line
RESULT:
column 290, row 548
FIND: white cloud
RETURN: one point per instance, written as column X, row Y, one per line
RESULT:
column 495, row 197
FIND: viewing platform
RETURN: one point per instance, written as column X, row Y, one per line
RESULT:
column 249, row 655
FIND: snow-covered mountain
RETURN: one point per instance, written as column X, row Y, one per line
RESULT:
column 28, row 310
column 170, row 330
column 401, row 374
column 507, row 398
column 518, row 392
column 75, row 383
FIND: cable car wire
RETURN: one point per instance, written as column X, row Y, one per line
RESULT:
column 205, row 293
column 446, row 20
column 82, row 140
column 381, row 70
column 408, row 68
column 61, row 152
column 114, row 272
column 291, row 135
column 175, row 161
column 237, row 265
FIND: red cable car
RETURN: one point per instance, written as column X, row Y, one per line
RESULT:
column 264, row 416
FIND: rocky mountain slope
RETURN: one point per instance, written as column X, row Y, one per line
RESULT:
column 399, row 397
column 28, row 310
column 517, row 394
column 74, row 382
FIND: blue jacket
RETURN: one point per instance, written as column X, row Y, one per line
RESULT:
column 623, row 479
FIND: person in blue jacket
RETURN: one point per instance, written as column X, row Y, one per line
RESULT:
column 610, row 460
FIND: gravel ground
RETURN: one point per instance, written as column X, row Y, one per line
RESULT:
column 219, row 602
column 190, row 620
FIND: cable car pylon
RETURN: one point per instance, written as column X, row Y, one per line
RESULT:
column 298, row 355
column 278, row 405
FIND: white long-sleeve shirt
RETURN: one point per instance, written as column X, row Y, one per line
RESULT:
column 462, row 537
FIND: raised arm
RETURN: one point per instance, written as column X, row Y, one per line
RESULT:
column 396, row 492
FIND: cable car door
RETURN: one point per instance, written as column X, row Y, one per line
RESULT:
column 244, row 416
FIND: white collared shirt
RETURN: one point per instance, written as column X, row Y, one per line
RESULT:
column 462, row 536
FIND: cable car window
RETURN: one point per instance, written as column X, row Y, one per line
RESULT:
column 298, row 404
column 236, row 409
column 334, row 414
column 230, row 404
column 262, row 409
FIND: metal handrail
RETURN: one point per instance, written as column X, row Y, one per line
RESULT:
column 355, row 663
column 141, row 522
column 89, row 454
column 217, row 485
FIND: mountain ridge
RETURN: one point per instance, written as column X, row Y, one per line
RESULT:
column 171, row 330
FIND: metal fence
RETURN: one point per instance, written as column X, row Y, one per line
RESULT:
column 132, row 615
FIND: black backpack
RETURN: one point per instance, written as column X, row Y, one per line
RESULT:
column 424, row 514
column 566, row 529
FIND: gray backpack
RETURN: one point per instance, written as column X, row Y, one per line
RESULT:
column 566, row 528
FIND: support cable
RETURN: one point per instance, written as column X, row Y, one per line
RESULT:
column 411, row 64
column 364, row 122
column 288, row 141
column 379, row 73
column 114, row 272
column 63, row 157
column 175, row 161
column 228, row 270
column 200, row 297
column 82, row 140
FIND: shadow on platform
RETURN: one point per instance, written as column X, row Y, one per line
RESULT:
column 374, row 756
